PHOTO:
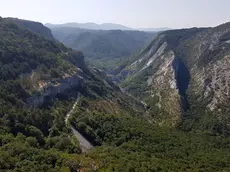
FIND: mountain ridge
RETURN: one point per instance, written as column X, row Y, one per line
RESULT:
column 104, row 26
column 91, row 25
column 36, row 27
column 180, row 70
column 103, row 48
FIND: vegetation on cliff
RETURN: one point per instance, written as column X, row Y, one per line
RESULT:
column 122, row 128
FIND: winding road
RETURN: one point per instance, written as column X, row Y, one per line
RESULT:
column 84, row 143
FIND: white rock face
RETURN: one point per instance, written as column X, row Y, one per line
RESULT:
column 50, row 90
column 158, row 53
column 172, row 84
column 136, row 62
column 164, row 89
column 205, row 53
column 214, row 80
column 149, row 81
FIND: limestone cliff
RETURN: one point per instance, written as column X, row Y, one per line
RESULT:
column 182, row 70
column 67, row 85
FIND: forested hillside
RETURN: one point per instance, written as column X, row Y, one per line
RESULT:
column 103, row 48
column 39, row 83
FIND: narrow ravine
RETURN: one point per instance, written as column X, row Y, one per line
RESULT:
column 84, row 143
column 182, row 77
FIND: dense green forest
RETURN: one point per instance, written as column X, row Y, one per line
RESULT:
column 103, row 48
column 125, row 137
column 28, row 135
column 36, row 138
column 131, row 143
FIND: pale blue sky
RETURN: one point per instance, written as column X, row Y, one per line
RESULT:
column 132, row 13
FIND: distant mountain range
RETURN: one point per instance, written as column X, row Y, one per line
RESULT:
column 154, row 29
column 104, row 26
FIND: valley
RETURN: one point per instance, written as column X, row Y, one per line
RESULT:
column 103, row 48
column 77, row 99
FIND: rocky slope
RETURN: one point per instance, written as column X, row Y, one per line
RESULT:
column 36, row 70
column 35, row 65
column 182, row 71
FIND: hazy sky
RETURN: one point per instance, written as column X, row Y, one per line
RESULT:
column 132, row 13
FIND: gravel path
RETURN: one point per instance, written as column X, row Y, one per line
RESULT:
column 84, row 143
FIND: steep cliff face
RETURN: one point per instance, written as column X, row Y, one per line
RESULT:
column 76, row 58
column 160, row 78
column 36, row 27
column 209, row 68
column 48, row 90
column 182, row 70
column 35, row 69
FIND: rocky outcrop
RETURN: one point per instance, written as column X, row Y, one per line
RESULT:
column 49, row 90
column 158, row 87
column 165, row 108
column 183, row 68
column 76, row 58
